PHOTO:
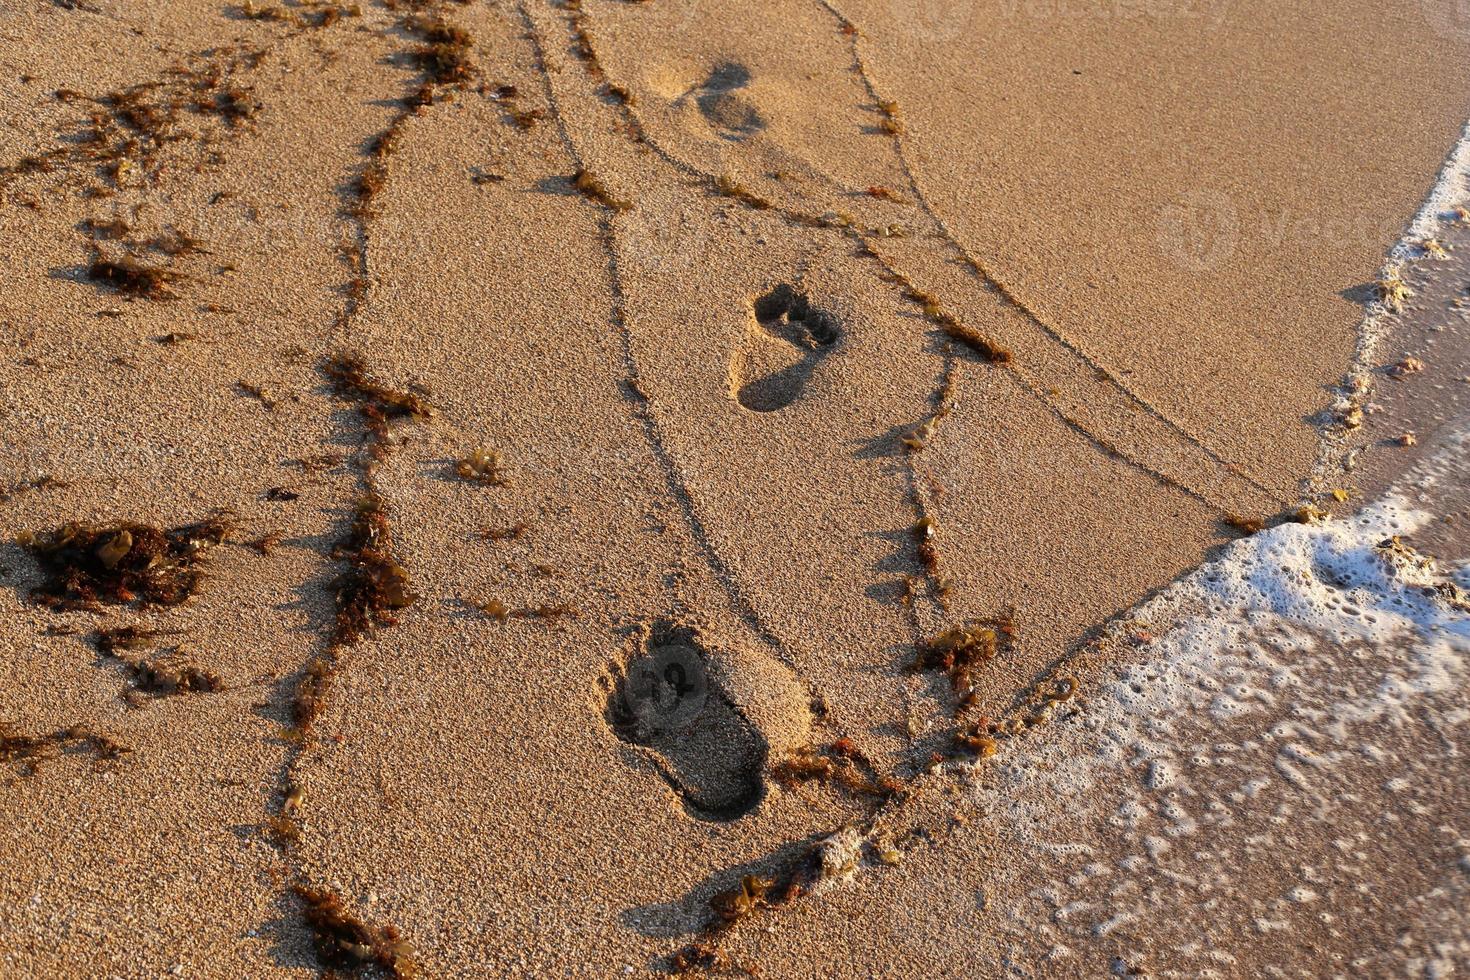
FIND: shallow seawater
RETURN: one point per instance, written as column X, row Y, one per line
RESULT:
column 1269, row 776
column 1277, row 778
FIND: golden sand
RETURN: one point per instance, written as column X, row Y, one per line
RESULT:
column 718, row 355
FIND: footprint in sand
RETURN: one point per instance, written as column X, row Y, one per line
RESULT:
column 789, row 339
column 693, row 716
column 723, row 107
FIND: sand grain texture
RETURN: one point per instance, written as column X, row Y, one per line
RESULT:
column 1169, row 222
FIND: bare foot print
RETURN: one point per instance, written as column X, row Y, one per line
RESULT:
column 709, row 719
column 789, row 339
column 722, row 105
column 668, row 700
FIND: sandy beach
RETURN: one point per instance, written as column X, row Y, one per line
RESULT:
column 629, row 487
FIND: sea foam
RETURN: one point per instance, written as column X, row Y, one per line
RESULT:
column 1285, row 725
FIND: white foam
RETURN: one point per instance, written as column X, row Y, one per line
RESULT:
column 1303, row 688
column 1451, row 190
column 1276, row 745
column 1342, row 578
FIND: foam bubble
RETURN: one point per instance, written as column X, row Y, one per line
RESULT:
column 1283, row 743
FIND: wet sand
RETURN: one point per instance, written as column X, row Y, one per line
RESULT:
column 1176, row 256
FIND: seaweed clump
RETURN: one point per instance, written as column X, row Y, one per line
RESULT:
column 128, row 276
column 121, row 563
column 841, row 762
column 234, row 105
column 161, row 677
column 344, row 942
column 31, row 750
column 353, row 379
column 374, row 586
column 890, row 117
column 1393, row 292
column 744, row 900
column 981, row 739
column 376, row 401
column 125, row 135
column 312, row 15
column 109, row 642
column 527, row 118
column 583, row 44
column 592, row 187
column 831, row 858
column 43, row 482
column 925, row 532
column 727, row 186
column 750, row 897
column 960, row 650
column 1243, row 524
column 310, row 699
column 987, row 347
column 446, row 56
